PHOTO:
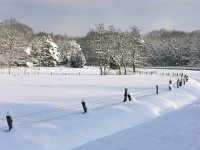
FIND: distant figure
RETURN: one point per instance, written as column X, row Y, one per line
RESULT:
column 9, row 120
column 84, row 106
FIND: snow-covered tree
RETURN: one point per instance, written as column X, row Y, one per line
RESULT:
column 71, row 54
column 195, row 48
column 100, row 43
column 77, row 60
column 168, row 47
column 14, row 38
column 128, row 49
column 44, row 52
column 136, row 48
column 86, row 50
column 119, row 49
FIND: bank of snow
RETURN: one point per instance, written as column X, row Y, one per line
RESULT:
column 178, row 130
column 54, row 117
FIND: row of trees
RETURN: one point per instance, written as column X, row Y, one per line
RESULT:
column 106, row 47
column 173, row 48
column 20, row 46
column 115, row 48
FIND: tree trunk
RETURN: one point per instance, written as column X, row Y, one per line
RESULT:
column 133, row 67
column 125, row 71
column 105, row 70
column 119, row 67
column 125, row 94
column 133, row 60
column 101, row 69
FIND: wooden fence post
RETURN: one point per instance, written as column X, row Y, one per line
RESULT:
column 9, row 120
column 187, row 78
column 170, row 83
column 156, row 89
column 125, row 94
column 178, row 83
column 84, row 106
column 129, row 97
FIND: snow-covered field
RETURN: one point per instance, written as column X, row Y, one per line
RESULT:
column 47, row 112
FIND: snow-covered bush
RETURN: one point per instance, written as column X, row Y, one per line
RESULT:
column 78, row 60
column 71, row 55
column 44, row 52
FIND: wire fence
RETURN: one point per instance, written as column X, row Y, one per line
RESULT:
column 73, row 71
column 99, row 103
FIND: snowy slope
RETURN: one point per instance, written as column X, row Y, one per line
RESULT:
column 179, row 130
column 48, row 114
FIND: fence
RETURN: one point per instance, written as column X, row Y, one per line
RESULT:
column 73, row 71
column 107, row 101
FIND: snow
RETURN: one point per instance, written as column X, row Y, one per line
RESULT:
column 29, row 64
column 9, row 113
column 53, row 44
column 53, row 50
column 178, row 130
column 47, row 112
column 28, row 50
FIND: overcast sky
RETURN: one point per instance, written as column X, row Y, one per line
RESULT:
column 75, row 17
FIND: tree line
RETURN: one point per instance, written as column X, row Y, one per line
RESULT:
column 115, row 48
column 173, row 48
column 19, row 45
column 103, row 46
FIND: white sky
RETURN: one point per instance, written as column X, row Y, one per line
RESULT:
column 74, row 17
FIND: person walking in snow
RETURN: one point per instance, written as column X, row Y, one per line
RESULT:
column 9, row 120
